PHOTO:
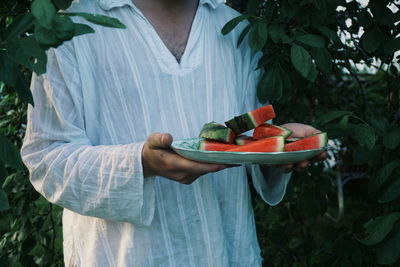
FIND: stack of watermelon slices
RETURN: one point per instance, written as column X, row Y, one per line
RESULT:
column 266, row 137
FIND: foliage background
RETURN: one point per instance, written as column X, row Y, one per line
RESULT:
column 329, row 63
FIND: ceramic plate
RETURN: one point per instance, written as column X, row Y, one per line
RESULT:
column 188, row 148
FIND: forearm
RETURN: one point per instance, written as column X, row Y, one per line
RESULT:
column 100, row 181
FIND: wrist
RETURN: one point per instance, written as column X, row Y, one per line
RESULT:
column 146, row 168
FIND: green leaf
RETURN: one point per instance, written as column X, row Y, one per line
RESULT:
column 312, row 75
column 392, row 46
column 380, row 124
column 388, row 252
column 362, row 155
column 46, row 37
column 3, row 201
column 80, row 29
column 344, row 122
column 64, row 27
column 311, row 40
column 309, row 204
column 301, row 60
column 364, row 18
column 8, row 69
column 3, row 173
column 379, row 227
column 390, row 19
column 19, row 25
column 265, row 60
column 276, row 32
column 269, row 9
column 44, row 12
column 258, row 35
column 99, row 19
column 393, row 70
column 22, row 88
column 383, row 174
column 9, row 153
column 364, row 135
column 286, row 81
column 330, row 34
column 391, row 192
column 392, row 139
column 270, row 87
column 333, row 115
column 243, row 34
column 371, row 40
column 62, row 4
column 322, row 58
column 230, row 25
column 252, row 6
column 26, row 51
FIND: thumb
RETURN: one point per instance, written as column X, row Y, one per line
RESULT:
column 159, row 140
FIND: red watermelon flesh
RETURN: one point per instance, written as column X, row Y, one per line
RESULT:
column 267, row 130
column 243, row 140
column 210, row 145
column 270, row 144
column 250, row 120
column 262, row 114
column 315, row 141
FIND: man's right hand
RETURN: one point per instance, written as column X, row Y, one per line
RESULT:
column 159, row 159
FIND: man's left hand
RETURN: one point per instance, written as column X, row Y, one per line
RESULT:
column 299, row 131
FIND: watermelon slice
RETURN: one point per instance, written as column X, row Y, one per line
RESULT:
column 251, row 120
column 270, row 144
column 267, row 130
column 243, row 140
column 216, row 131
column 314, row 141
column 210, row 145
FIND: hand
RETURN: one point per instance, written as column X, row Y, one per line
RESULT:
column 299, row 131
column 159, row 159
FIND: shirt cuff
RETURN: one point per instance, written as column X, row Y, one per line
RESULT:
column 148, row 193
column 272, row 186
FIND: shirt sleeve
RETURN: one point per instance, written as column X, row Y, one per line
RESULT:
column 271, row 186
column 104, row 181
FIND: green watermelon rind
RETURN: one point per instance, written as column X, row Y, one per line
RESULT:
column 247, row 121
column 216, row 131
column 239, row 139
column 288, row 131
column 242, row 123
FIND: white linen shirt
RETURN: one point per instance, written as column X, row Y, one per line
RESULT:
column 102, row 95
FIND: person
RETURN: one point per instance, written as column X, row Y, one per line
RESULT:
column 98, row 139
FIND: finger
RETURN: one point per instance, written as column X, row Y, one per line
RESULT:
column 233, row 166
column 321, row 157
column 301, row 165
column 311, row 130
column 314, row 130
column 199, row 169
column 159, row 141
column 189, row 180
column 179, row 164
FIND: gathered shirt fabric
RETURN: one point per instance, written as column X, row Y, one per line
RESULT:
column 102, row 95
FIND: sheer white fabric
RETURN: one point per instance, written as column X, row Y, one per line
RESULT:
column 102, row 95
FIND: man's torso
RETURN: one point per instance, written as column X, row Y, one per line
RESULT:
column 132, row 86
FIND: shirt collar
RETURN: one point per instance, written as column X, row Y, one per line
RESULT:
column 109, row 4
